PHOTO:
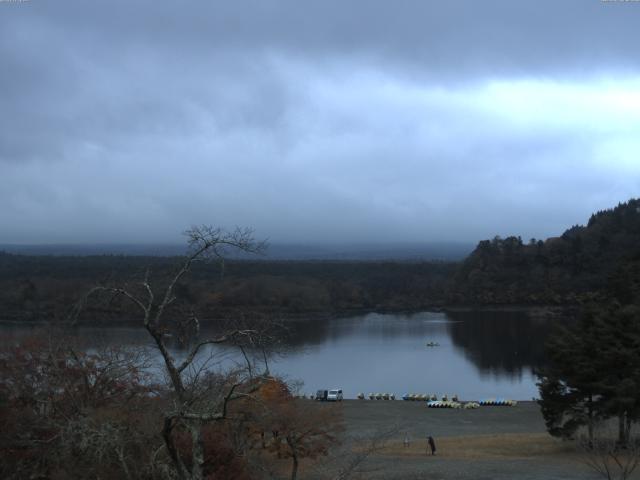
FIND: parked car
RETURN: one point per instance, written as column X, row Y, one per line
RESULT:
column 334, row 395
column 321, row 395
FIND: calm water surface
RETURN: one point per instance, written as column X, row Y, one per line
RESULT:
column 480, row 354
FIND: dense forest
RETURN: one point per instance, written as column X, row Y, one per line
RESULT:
column 582, row 263
column 45, row 287
column 585, row 261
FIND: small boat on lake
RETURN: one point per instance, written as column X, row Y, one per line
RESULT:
column 432, row 344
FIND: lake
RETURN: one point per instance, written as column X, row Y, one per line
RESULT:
column 479, row 354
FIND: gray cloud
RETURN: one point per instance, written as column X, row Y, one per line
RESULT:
column 319, row 121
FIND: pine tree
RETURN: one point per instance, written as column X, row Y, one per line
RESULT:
column 618, row 330
column 593, row 372
column 570, row 384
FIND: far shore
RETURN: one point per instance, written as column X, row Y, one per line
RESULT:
column 542, row 311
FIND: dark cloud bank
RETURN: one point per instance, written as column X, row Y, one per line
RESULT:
column 315, row 122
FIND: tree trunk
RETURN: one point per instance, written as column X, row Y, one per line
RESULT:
column 622, row 438
column 294, row 458
column 197, row 451
column 294, row 467
column 246, row 359
column 174, row 374
column 590, row 425
column 123, row 462
column 181, row 470
column 628, row 428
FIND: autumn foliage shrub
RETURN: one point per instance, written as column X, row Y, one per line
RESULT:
column 65, row 413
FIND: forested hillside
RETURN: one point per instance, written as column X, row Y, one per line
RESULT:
column 584, row 261
column 44, row 287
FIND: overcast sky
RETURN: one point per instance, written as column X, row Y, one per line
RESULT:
column 324, row 121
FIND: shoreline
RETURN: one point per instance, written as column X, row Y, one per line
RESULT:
column 543, row 311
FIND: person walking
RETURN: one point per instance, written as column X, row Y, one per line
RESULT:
column 432, row 445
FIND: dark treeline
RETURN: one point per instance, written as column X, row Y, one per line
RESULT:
column 580, row 265
column 44, row 287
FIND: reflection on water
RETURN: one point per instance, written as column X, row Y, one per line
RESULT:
column 500, row 343
column 480, row 354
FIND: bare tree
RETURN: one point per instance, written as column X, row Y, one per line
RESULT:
column 353, row 464
column 196, row 398
column 610, row 459
column 68, row 413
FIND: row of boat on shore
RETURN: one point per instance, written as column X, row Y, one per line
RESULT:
column 433, row 401
column 421, row 397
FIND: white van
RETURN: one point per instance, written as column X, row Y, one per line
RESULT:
column 334, row 395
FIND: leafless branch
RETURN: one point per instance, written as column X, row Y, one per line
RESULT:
column 196, row 402
column 353, row 462
column 211, row 341
column 608, row 458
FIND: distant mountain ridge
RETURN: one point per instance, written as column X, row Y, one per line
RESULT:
column 602, row 257
column 446, row 251
column 587, row 262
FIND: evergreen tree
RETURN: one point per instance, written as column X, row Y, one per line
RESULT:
column 618, row 330
column 593, row 372
column 570, row 384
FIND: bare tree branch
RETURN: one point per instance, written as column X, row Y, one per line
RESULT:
column 605, row 456
column 198, row 398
